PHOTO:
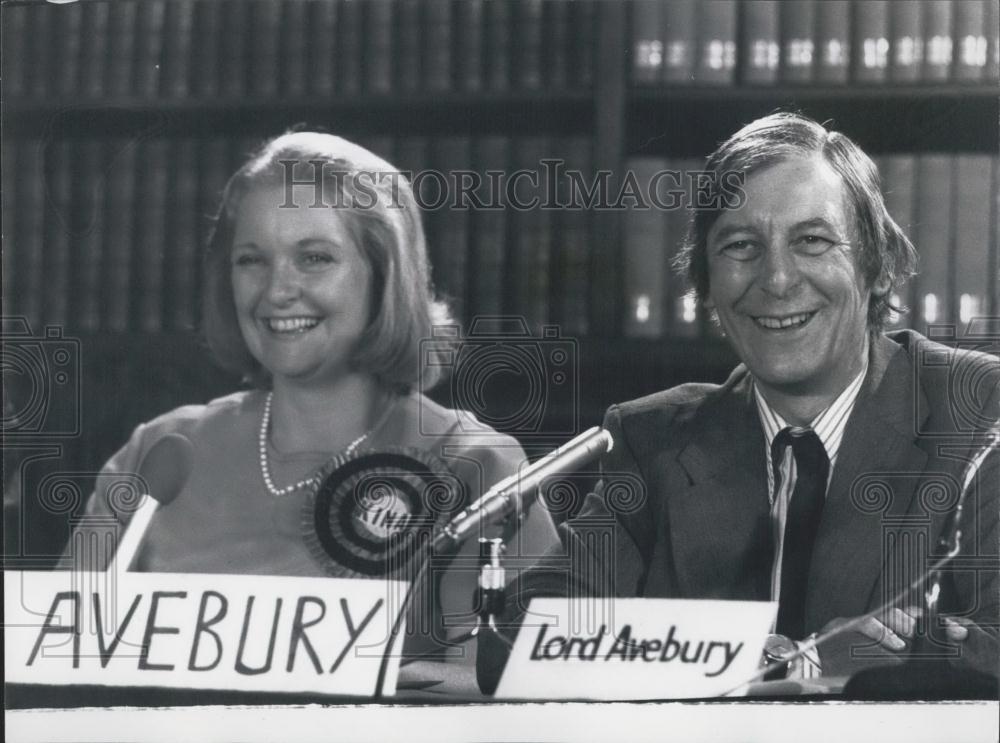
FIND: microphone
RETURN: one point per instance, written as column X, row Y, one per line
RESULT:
column 520, row 489
column 165, row 469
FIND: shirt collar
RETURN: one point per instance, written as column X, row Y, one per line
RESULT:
column 829, row 425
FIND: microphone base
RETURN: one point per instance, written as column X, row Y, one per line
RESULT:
column 921, row 680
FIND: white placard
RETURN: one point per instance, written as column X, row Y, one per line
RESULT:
column 232, row 632
column 638, row 649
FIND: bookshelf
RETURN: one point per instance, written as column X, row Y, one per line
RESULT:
column 195, row 84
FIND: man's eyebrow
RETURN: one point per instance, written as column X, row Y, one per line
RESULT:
column 732, row 229
column 815, row 222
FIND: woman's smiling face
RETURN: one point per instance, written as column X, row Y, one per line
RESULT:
column 301, row 285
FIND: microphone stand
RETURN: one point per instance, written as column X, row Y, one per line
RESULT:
column 499, row 503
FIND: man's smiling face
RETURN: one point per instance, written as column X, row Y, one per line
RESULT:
column 785, row 282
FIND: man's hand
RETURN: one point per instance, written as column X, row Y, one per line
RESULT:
column 894, row 628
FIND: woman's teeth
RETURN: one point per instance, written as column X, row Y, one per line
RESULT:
column 291, row 324
column 780, row 323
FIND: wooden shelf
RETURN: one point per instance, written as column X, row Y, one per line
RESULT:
column 555, row 112
column 690, row 122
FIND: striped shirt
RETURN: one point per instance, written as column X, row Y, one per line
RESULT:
column 829, row 426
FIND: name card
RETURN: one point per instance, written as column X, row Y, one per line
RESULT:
column 232, row 632
column 636, row 648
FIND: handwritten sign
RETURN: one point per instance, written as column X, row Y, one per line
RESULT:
column 239, row 632
column 635, row 649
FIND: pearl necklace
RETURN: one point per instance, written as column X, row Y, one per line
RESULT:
column 265, row 467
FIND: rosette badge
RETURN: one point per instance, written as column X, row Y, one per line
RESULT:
column 376, row 512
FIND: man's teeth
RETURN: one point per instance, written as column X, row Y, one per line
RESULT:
column 291, row 324
column 777, row 323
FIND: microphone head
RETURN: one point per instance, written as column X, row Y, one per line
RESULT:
column 166, row 467
column 375, row 512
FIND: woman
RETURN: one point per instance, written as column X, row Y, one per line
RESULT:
column 319, row 294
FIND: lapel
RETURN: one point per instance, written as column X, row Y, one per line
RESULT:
column 718, row 513
column 875, row 477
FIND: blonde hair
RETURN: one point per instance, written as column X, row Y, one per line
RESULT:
column 381, row 212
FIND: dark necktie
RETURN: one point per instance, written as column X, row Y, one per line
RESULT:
column 801, row 524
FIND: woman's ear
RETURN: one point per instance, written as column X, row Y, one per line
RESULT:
column 881, row 286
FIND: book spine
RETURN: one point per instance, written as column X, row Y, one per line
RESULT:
column 149, row 42
column 993, row 268
column 42, row 30
column 833, row 37
column 583, row 15
column 871, row 41
column 378, row 47
column 207, row 26
column 469, row 45
column 122, row 53
column 91, row 192
column 760, row 52
column 557, row 50
column 322, row 54
column 294, row 38
column 237, row 22
column 645, row 259
column 407, row 54
column 647, row 41
column 263, row 54
column 178, row 47
column 9, row 208
column 498, row 47
column 58, row 248
column 680, row 42
column 528, row 32
column 30, row 235
column 907, row 41
column 349, row 48
column 973, row 179
column 68, row 50
column 184, row 267
column 970, row 38
column 151, row 245
column 898, row 175
column 938, row 40
column 686, row 315
column 452, row 156
column 991, row 23
column 120, row 218
column 13, row 34
column 214, row 168
column 716, row 41
column 437, row 42
column 531, row 239
column 572, row 231
column 489, row 227
column 798, row 41
column 935, row 189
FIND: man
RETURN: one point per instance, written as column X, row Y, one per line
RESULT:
column 807, row 477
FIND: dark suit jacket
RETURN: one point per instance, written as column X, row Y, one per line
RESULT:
column 684, row 499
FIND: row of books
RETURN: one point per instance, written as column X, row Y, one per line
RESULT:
column 766, row 42
column 106, row 234
column 946, row 203
column 293, row 49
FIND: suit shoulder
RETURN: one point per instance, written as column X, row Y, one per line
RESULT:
column 960, row 384
column 646, row 420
